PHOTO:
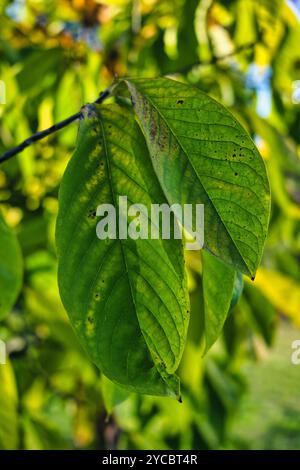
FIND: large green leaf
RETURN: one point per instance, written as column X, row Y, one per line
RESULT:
column 201, row 154
column 127, row 299
column 11, row 268
column 218, row 286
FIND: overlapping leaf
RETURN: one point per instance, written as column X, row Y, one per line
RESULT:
column 127, row 299
column 218, row 286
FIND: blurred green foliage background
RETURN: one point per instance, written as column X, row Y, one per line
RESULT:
column 56, row 55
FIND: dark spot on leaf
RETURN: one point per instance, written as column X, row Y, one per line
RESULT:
column 180, row 101
column 252, row 278
column 153, row 129
column 132, row 100
column 234, row 155
column 235, row 174
column 180, row 399
column 90, row 320
column 162, row 141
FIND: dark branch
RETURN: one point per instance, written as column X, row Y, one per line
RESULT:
column 40, row 135
column 60, row 125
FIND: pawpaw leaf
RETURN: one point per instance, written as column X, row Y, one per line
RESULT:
column 201, row 154
column 11, row 268
column 127, row 299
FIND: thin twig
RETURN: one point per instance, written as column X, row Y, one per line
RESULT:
column 60, row 125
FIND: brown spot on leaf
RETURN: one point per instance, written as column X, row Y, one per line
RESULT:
column 132, row 100
column 153, row 129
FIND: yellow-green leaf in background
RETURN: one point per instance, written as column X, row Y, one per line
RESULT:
column 9, row 433
column 11, row 268
column 282, row 291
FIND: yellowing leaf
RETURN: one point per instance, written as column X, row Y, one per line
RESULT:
column 11, row 268
column 282, row 291
column 8, row 408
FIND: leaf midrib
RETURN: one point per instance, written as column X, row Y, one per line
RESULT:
column 121, row 244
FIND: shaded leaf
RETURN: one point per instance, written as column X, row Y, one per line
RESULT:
column 218, row 284
column 262, row 313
